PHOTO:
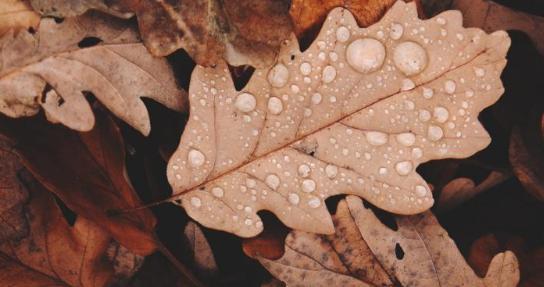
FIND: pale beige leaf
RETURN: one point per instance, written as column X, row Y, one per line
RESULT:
column 50, row 70
column 420, row 253
column 202, row 251
column 71, row 8
column 313, row 126
column 491, row 16
column 17, row 15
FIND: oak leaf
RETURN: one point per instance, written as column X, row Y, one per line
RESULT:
column 55, row 253
column 365, row 252
column 17, row 15
column 72, row 8
column 59, row 65
column 87, row 171
column 355, row 113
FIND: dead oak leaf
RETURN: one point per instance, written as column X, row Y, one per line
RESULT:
column 72, row 8
column 55, row 70
column 87, row 171
column 355, row 113
column 17, row 15
column 418, row 253
column 54, row 253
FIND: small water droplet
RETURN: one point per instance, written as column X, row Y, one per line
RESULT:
column 382, row 170
column 376, row 138
column 218, row 191
column 424, row 115
column 293, row 198
column 365, row 55
column 305, row 68
column 196, row 202
column 195, row 158
column 331, row 171
column 428, row 93
column 410, row 58
column 273, row 181
column 417, row 153
column 304, row 170
column 248, row 221
column 407, row 84
column 479, row 72
column 316, row 98
column 251, row 183
column 314, row 202
column 406, row 139
column 441, row 114
column 275, row 106
column 342, row 34
column 308, row 185
column 396, row 31
column 450, row 86
column 278, row 76
column 421, row 191
column 435, row 133
column 404, row 167
column 329, row 74
column 245, row 102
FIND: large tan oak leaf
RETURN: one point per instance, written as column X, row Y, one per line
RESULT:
column 365, row 252
column 355, row 113
column 55, row 68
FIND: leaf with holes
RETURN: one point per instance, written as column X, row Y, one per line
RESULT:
column 60, row 64
column 355, row 113
column 17, row 15
column 365, row 252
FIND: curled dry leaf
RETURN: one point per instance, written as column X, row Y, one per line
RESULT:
column 491, row 16
column 367, row 253
column 462, row 189
column 17, row 15
column 87, row 172
column 202, row 252
column 355, row 113
column 54, row 253
column 13, row 195
column 55, row 70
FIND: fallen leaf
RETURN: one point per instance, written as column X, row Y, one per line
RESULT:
column 462, row 189
column 87, row 172
column 55, row 253
column 491, row 16
column 63, row 62
column 72, row 8
column 17, row 15
column 13, row 195
column 418, row 253
column 308, row 15
column 202, row 252
column 317, row 124
column 244, row 32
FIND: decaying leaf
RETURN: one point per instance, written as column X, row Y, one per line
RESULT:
column 56, row 67
column 202, row 252
column 491, row 16
column 367, row 253
column 526, row 154
column 13, row 195
column 355, row 113
column 87, row 172
column 462, row 189
column 17, row 15
column 72, row 8
column 54, row 253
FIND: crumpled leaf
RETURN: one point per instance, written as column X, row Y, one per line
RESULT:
column 313, row 126
column 13, row 196
column 418, row 253
column 491, row 16
column 202, row 252
column 87, row 171
column 17, row 15
column 54, row 253
column 49, row 69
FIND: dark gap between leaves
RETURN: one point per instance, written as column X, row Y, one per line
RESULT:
column 89, row 42
column 241, row 75
column 68, row 214
column 385, row 217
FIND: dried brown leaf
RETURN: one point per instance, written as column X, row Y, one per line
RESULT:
column 491, row 16
column 202, row 252
column 72, row 8
column 526, row 156
column 312, row 126
column 49, row 69
column 17, row 15
column 419, row 253
column 87, row 171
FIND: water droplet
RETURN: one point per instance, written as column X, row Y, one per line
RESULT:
column 469, row 93
column 308, row 185
column 342, row 34
column 403, row 167
column 410, row 58
column 218, row 191
column 329, row 74
column 248, row 221
column 273, row 181
column 278, row 76
column 382, row 170
column 424, row 115
column 314, row 202
column 305, row 68
column 307, row 112
column 441, row 21
column 421, row 191
column 365, row 55
column 195, row 158
column 406, row 139
column 295, row 89
column 435, row 133
column 407, row 85
column 293, row 198
column 441, row 114
column 332, row 99
column 409, row 105
column 275, row 105
column 479, row 72
column 417, row 153
column 245, row 102
column 396, row 31
column 428, row 93
column 316, row 98
column 196, row 202
column 331, row 171
column 304, row 170
column 376, row 138
column 449, row 86
column 251, row 183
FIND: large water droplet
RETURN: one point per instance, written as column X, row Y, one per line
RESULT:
column 450, row 86
column 275, row 105
column 278, row 76
column 421, row 191
column 410, row 58
column 376, row 138
column 342, row 34
column 403, row 167
column 314, row 202
column 441, row 114
column 308, row 185
column 195, row 158
column 273, row 181
column 365, row 55
column 435, row 133
column 406, row 139
column 245, row 102
column 329, row 74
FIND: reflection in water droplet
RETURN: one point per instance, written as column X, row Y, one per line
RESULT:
column 365, row 55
